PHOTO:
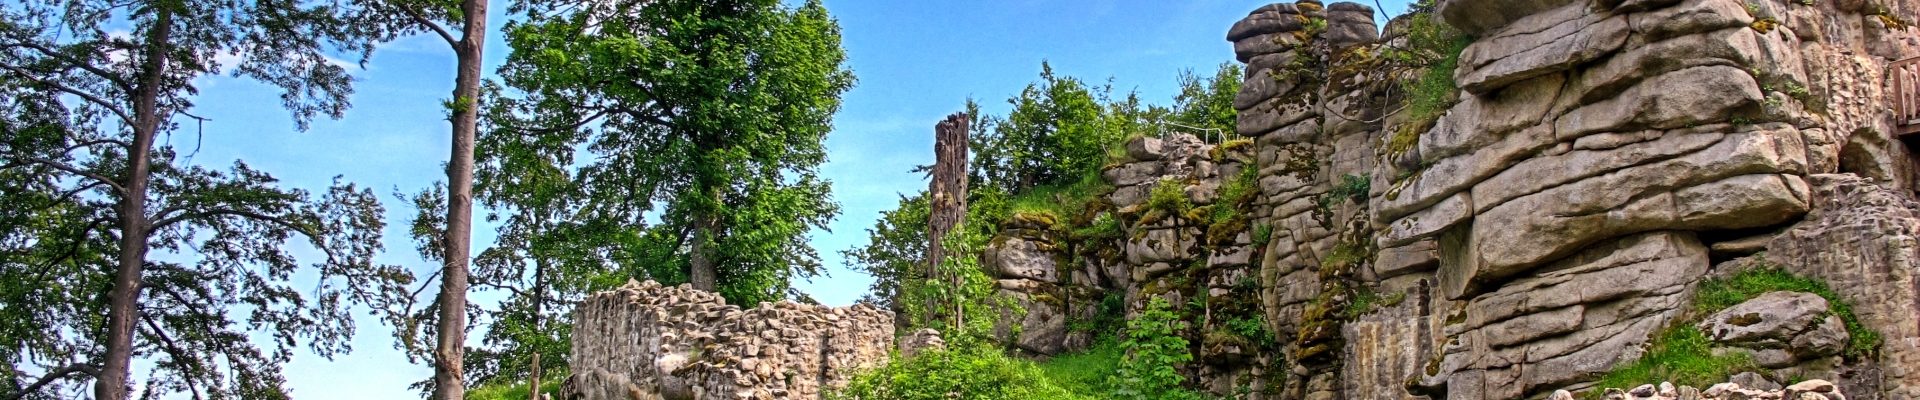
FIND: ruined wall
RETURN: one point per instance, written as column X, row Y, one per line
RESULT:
column 1601, row 158
column 646, row 341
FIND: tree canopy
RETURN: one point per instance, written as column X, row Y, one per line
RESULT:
column 700, row 124
column 118, row 249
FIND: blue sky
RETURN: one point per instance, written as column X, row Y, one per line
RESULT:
column 916, row 61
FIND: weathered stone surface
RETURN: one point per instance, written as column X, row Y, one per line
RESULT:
column 1864, row 240
column 1022, row 257
column 1770, row 320
column 921, row 340
column 1549, row 42
column 1478, row 17
column 1590, row 312
column 1146, row 149
column 1272, row 18
column 1040, row 319
column 648, row 341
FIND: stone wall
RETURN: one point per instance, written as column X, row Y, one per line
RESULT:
column 645, row 341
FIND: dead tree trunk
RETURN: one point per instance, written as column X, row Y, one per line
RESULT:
column 947, row 201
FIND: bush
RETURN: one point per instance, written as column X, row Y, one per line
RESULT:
column 1169, row 196
column 1433, row 48
column 972, row 372
column 1154, row 354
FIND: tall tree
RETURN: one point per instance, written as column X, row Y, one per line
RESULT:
column 98, row 193
column 542, row 257
column 704, row 124
column 1056, row 131
column 467, row 39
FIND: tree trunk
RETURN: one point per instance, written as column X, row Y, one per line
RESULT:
column 533, row 385
column 124, row 300
column 702, row 273
column 450, row 353
column 539, row 319
column 947, row 203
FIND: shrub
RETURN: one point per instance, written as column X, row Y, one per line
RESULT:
column 1169, row 196
column 967, row 372
column 1154, row 354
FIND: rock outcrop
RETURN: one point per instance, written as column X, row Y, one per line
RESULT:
column 1780, row 329
column 1809, row 390
column 1598, row 160
column 646, row 341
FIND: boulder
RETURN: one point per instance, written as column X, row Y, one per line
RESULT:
column 1770, row 320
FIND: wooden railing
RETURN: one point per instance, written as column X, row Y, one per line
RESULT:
column 1905, row 77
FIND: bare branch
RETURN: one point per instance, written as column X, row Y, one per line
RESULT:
column 430, row 25
column 56, row 374
column 97, row 142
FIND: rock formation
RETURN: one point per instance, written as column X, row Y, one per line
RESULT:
column 1599, row 160
column 645, row 341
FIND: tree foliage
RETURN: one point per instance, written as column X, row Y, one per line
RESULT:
column 1204, row 105
column 702, row 125
column 1155, row 352
column 1057, row 130
column 895, row 253
column 117, row 247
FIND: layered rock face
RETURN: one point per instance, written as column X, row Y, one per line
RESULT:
column 646, row 341
column 1601, row 158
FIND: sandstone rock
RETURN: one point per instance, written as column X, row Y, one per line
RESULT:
column 1131, row 174
column 1549, row 42
column 1019, row 257
column 1770, row 320
column 921, row 340
column 1146, row 149
column 1864, row 237
column 1272, row 18
column 1477, row 17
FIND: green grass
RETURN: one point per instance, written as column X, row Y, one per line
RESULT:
column 974, row 372
column 1060, row 200
column 1680, row 354
column 1435, row 47
column 1085, row 373
column 517, row 391
column 1683, row 355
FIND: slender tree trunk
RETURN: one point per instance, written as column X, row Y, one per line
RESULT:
column 124, row 302
column 449, row 356
column 539, row 318
column 702, row 273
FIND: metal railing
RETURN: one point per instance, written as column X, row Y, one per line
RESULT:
column 1905, row 77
